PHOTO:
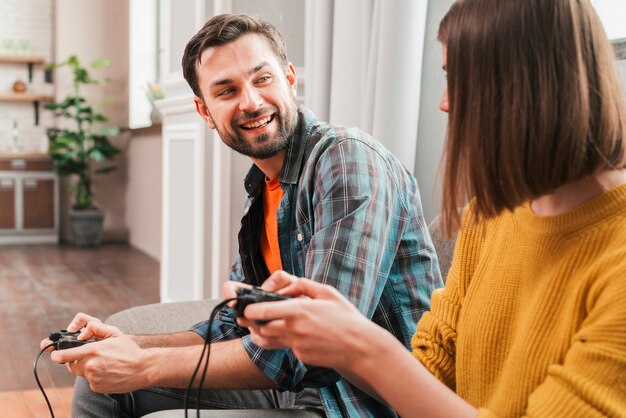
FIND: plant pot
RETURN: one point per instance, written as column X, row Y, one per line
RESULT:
column 86, row 226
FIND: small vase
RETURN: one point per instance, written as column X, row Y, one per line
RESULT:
column 19, row 86
column 155, row 116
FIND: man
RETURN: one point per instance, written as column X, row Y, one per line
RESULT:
column 325, row 202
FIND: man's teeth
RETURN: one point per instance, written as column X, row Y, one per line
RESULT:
column 257, row 123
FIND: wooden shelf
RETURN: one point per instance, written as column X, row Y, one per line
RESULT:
column 35, row 99
column 24, row 97
column 21, row 59
column 23, row 154
column 30, row 61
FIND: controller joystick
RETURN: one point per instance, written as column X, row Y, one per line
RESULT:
column 249, row 295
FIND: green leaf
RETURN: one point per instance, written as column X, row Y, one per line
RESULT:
column 97, row 155
column 60, row 143
column 109, row 131
column 72, row 60
column 81, row 76
column 105, row 146
column 67, row 102
column 100, row 63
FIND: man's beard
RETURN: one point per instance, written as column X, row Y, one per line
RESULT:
column 262, row 146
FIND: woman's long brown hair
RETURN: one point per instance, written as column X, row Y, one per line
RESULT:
column 534, row 100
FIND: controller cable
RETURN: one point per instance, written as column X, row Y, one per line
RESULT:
column 206, row 349
column 37, row 377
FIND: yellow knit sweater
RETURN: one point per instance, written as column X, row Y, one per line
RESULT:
column 532, row 321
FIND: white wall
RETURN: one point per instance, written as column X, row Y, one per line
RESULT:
column 432, row 122
column 30, row 21
column 143, row 193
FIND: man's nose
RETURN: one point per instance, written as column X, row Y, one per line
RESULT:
column 250, row 100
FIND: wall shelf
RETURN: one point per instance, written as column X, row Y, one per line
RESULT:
column 24, row 97
column 21, row 59
column 35, row 99
column 30, row 61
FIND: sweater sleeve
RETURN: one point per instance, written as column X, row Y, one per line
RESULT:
column 434, row 342
column 591, row 379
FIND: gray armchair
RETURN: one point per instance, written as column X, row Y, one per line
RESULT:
column 162, row 318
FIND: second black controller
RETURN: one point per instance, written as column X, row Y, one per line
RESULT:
column 248, row 295
column 64, row 339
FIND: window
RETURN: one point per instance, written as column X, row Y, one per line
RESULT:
column 613, row 15
column 143, row 60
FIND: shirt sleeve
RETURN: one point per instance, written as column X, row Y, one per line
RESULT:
column 224, row 326
column 359, row 217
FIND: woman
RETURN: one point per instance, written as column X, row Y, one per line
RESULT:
column 532, row 319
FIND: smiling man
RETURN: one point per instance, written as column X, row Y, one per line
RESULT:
column 324, row 201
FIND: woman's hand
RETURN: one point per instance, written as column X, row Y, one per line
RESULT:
column 321, row 327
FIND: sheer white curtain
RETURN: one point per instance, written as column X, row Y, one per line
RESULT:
column 364, row 67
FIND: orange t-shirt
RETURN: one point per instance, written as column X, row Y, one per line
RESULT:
column 272, row 195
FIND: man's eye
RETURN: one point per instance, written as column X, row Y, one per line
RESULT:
column 225, row 92
column 264, row 80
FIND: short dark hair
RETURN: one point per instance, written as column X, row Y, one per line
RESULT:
column 534, row 99
column 221, row 30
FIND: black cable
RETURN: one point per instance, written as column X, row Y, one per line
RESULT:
column 206, row 349
column 37, row 378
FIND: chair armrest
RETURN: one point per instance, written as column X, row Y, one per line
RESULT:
column 162, row 318
column 443, row 246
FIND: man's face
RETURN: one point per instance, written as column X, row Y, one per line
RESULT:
column 249, row 96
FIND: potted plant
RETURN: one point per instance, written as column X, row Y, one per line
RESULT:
column 79, row 148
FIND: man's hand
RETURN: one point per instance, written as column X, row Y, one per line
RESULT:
column 229, row 289
column 279, row 282
column 111, row 365
column 79, row 322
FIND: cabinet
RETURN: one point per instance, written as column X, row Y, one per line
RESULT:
column 29, row 203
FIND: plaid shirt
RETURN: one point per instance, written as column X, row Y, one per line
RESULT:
column 351, row 217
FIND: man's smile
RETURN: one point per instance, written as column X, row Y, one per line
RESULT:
column 259, row 123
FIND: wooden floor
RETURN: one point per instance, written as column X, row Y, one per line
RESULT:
column 41, row 288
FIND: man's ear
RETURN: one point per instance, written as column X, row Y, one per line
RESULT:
column 292, row 80
column 203, row 111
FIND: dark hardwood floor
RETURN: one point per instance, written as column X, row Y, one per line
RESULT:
column 41, row 289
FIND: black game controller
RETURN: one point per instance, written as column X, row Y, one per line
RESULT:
column 64, row 339
column 248, row 295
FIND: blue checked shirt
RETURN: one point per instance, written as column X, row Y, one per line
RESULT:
column 351, row 217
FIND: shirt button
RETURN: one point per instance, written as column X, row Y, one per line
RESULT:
column 300, row 237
